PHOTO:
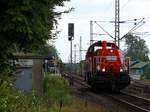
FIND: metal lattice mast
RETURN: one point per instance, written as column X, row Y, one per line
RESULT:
column 117, row 22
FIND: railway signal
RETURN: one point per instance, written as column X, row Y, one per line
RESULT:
column 70, row 38
column 70, row 31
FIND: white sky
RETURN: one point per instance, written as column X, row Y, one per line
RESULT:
column 99, row 10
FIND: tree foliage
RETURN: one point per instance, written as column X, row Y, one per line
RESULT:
column 48, row 50
column 147, row 73
column 26, row 25
column 136, row 48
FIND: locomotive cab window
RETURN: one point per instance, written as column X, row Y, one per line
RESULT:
column 91, row 49
column 97, row 48
column 111, row 58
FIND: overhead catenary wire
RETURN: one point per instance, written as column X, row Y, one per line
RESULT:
column 123, row 21
column 109, row 9
column 124, row 5
column 104, row 30
column 111, row 3
column 137, row 25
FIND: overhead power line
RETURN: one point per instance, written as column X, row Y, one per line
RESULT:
column 124, row 5
column 137, row 25
column 104, row 30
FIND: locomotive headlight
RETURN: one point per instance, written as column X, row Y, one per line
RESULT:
column 98, row 68
column 121, row 70
column 126, row 68
column 103, row 70
column 111, row 50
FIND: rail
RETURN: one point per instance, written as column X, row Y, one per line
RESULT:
column 140, row 88
column 137, row 103
column 133, row 102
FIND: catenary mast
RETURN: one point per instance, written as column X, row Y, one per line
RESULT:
column 117, row 22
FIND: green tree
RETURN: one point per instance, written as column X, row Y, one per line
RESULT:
column 48, row 50
column 26, row 25
column 136, row 48
column 147, row 73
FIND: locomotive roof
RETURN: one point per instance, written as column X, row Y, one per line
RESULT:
column 109, row 44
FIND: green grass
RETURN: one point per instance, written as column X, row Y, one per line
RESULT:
column 80, row 105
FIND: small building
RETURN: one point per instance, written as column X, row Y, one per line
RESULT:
column 138, row 68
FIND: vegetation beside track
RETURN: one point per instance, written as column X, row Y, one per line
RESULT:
column 63, row 100
column 12, row 100
column 56, row 95
column 81, row 105
column 56, row 91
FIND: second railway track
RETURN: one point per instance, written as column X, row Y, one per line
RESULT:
column 137, row 104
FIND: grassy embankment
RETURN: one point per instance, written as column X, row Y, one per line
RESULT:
column 56, row 98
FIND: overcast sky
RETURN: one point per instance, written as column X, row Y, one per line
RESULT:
column 99, row 10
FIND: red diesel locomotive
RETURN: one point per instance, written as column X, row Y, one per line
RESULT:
column 106, row 67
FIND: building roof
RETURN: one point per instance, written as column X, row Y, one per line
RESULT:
column 139, row 65
column 29, row 56
column 133, row 63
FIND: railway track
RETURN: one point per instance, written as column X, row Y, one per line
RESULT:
column 140, row 88
column 136, row 103
column 77, row 79
column 131, row 102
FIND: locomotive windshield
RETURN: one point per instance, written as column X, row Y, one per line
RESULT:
column 111, row 58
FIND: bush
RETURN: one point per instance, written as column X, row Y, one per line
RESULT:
column 56, row 90
column 147, row 73
column 15, row 101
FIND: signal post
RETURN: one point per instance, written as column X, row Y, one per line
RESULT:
column 70, row 38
